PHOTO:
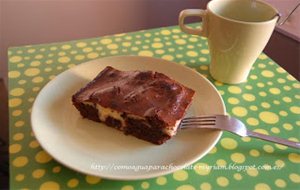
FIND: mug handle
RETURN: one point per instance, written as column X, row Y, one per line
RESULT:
column 192, row 12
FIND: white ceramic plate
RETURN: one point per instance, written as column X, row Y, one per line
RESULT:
column 94, row 149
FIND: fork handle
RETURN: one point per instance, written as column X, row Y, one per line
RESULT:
column 274, row 139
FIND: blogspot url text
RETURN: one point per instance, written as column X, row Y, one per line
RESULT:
column 230, row 166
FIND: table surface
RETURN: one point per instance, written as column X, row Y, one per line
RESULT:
column 269, row 102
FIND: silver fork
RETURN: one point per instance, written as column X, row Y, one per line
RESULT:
column 232, row 125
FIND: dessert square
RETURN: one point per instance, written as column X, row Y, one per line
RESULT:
column 146, row 104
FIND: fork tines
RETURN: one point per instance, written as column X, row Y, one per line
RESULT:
column 200, row 120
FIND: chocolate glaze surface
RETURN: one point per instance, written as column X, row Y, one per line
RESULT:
column 141, row 93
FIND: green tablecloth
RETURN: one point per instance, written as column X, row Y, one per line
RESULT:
column 268, row 103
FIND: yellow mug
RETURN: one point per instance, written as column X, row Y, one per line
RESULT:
column 237, row 32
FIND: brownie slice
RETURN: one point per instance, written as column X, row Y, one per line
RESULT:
column 146, row 104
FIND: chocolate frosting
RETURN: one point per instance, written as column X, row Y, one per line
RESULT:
column 141, row 93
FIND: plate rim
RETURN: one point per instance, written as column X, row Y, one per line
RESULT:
column 120, row 177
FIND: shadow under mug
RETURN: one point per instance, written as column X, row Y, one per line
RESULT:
column 237, row 32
